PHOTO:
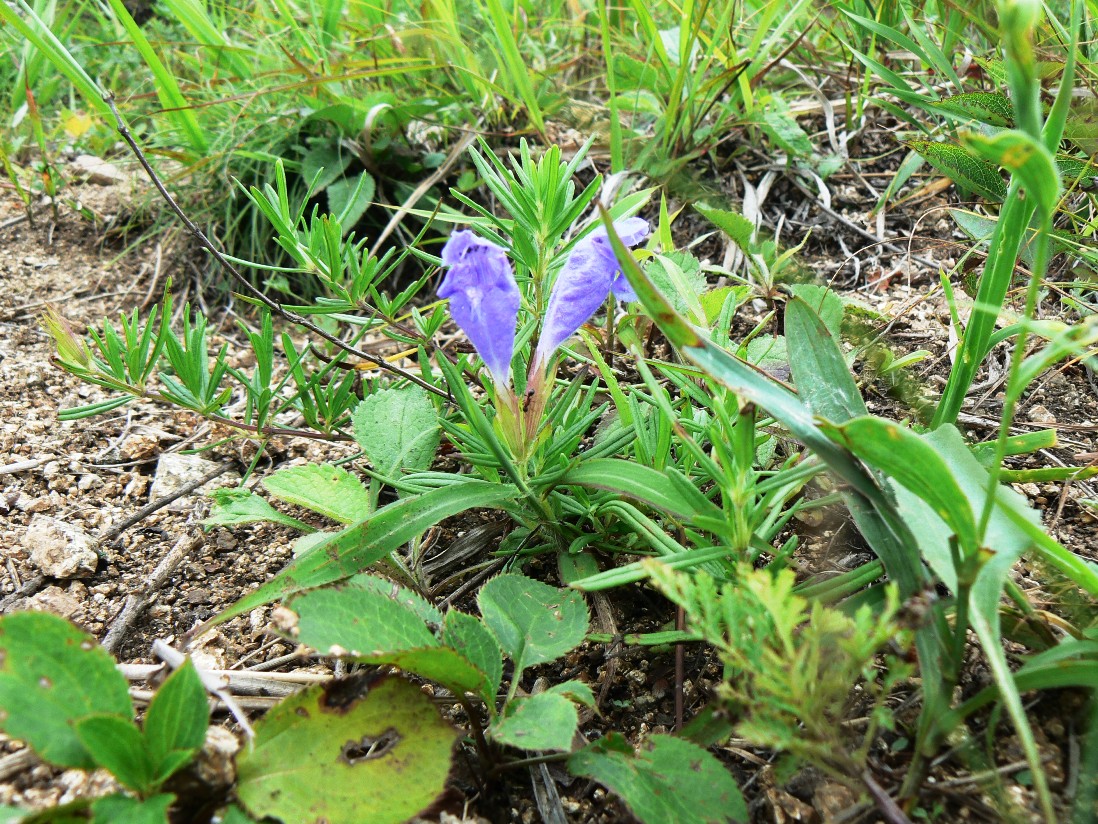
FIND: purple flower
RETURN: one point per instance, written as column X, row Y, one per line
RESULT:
column 484, row 298
column 591, row 273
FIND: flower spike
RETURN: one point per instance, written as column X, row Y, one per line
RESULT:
column 484, row 299
column 591, row 273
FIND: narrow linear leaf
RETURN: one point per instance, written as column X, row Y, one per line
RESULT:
column 641, row 483
column 353, row 549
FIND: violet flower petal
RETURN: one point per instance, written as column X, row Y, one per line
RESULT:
column 484, row 299
column 591, row 273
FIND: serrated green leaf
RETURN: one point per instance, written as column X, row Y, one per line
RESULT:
column 112, row 809
column 442, row 665
column 733, row 224
column 546, row 721
column 233, row 507
column 51, row 676
column 713, row 301
column 479, row 646
column 768, row 352
column 669, row 779
column 116, row 744
column 962, row 168
column 1081, row 126
column 346, row 753
column 575, row 691
column 533, row 622
column 402, row 595
column 175, row 725
column 991, row 108
column 397, row 429
column 352, row 621
column 824, row 302
column 348, row 552
column 781, row 127
column 330, row 490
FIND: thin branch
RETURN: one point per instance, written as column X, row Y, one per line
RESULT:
column 271, row 304
column 115, row 530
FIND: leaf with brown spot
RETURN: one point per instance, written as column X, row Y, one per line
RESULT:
column 384, row 758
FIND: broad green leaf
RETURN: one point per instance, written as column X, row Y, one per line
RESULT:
column 479, row 646
column 234, row 815
column 768, row 352
column 546, row 721
column 902, row 455
column 351, row 550
column 962, row 168
column 825, row 303
column 641, row 483
column 669, row 779
column 351, row 621
column 733, row 224
column 113, row 809
column 1023, row 156
column 576, row 691
column 116, row 744
column 991, row 108
column 402, row 595
column 679, row 276
column 397, row 429
column 369, row 626
column 349, row 198
column 781, row 127
column 533, row 622
column 233, row 507
column 440, row 664
column 52, row 675
column 175, row 725
column 819, row 368
column 713, row 301
column 1081, row 126
column 330, row 490
column 345, row 753
column 327, row 161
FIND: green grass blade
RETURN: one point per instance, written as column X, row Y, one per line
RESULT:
column 167, row 88
column 38, row 33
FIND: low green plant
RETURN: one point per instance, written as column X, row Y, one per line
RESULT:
column 63, row 696
column 789, row 664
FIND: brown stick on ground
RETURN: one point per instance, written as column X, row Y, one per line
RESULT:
column 136, row 603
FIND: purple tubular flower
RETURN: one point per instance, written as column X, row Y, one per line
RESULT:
column 591, row 273
column 484, row 298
